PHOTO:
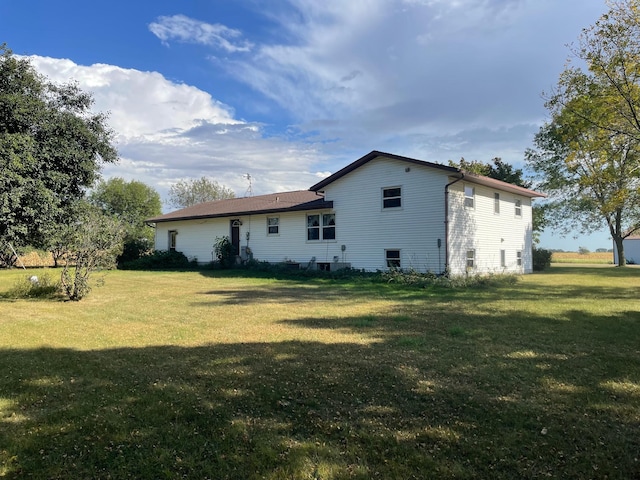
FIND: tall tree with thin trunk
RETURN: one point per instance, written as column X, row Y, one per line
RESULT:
column 587, row 156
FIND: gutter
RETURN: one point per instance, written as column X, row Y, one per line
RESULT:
column 446, row 222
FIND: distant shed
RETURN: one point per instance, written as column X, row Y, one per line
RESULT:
column 631, row 250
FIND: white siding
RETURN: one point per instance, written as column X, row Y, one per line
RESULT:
column 196, row 238
column 481, row 229
column 366, row 229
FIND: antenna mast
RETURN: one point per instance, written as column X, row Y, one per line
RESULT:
column 249, row 192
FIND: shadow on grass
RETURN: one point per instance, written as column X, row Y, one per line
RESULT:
column 430, row 399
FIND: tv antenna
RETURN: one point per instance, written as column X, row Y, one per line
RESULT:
column 249, row 192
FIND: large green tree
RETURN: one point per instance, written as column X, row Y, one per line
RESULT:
column 52, row 147
column 587, row 157
column 185, row 193
column 131, row 202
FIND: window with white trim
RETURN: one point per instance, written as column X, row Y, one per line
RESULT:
column 471, row 259
column 496, row 203
column 469, row 196
column 173, row 236
column 503, row 258
column 273, row 225
column 518, row 208
column 392, row 197
column 519, row 258
column 321, row 226
column 392, row 258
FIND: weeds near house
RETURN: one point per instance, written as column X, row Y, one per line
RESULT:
column 220, row 374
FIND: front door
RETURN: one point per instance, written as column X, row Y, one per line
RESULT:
column 235, row 236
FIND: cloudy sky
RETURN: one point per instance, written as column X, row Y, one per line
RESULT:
column 289, row 91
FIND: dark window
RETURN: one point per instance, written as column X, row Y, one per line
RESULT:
column 273, row 225
column 329, row 226
column 173, row 234
column 391, row 197
column 393, row 258
column 321, row 227
column 313, row 227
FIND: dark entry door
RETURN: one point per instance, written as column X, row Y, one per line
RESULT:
column 235, row 236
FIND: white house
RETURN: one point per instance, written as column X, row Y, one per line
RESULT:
column 381, row 211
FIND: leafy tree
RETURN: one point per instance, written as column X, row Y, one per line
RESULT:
column 131, row 202
column 51, row 149
column 587, row 156
column 93, row 241
column 186, row 193
column 497, row 168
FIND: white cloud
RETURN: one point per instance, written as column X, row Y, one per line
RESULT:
column 166, row 131
column 189, row 30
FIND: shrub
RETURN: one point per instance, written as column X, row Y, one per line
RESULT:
column 161, row 260
column 31, row 286
column 224, row 251
column 134, row 249
column 541, row 259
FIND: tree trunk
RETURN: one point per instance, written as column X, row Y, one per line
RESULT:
column 618, row 240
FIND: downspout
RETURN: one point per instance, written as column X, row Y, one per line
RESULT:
column 446, row 222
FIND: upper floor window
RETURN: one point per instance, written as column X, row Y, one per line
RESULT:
column 321, row 227
column 273, row 225
column 173, row 236
column 392, row 197
column 518, row 209
column 469, row 196
column 496, row 203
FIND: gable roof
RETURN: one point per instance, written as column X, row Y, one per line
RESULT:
column 470, row 177
column 271, row 203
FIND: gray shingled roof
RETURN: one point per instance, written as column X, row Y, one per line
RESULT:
column 271, row 203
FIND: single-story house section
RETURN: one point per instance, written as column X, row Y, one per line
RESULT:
column 631, row 247
column 380, row 212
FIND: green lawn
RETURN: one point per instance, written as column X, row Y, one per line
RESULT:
column 220, row 375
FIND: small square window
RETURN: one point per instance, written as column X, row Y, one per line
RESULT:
column 273, row 225
column 471, row 259
column 392, row 197
column 518, row 208
column 469, row 196
column 393, row 258
column 496, row 203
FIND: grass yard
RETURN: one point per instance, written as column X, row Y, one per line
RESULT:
column 594, row 258
column 220, row 375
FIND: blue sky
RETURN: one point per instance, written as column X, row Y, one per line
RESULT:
column 289, row 91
